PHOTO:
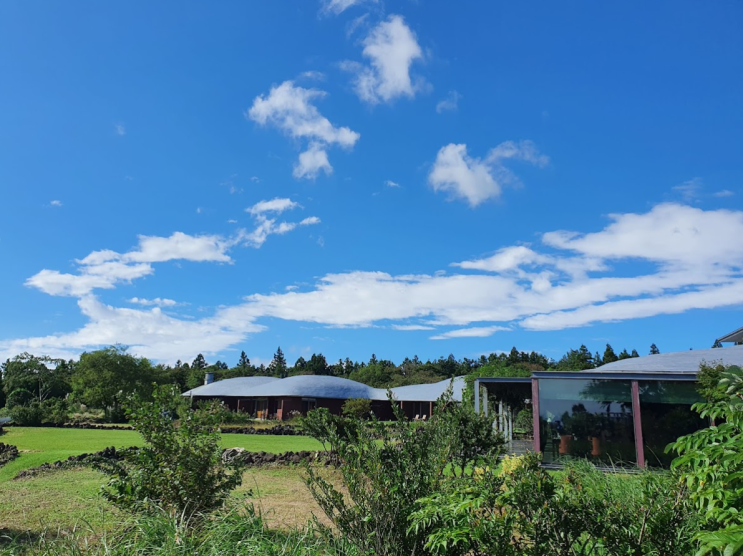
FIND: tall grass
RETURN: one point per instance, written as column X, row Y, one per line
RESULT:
column 235, row 531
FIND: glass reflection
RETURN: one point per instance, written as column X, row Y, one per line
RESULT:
column 587, row 419
column 666, row 415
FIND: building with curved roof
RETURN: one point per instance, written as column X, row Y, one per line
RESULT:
column 269, row 397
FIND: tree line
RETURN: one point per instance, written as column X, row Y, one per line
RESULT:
column 41, row 389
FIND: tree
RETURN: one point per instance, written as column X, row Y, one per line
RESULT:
column 199, row 363
column 654, row 349
column 106, row 377
column 609, row 355
column 624, row 354
column 717, row 344
column 278, row 365
column 43, row 377
column 317, row 365
column 634, row 353
column 180, row 467
column 243, row 362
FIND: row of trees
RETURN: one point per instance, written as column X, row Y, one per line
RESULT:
column 35, row 387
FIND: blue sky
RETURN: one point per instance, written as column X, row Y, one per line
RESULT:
column 354, row 177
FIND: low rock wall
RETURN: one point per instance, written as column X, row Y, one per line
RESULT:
column 8, row 453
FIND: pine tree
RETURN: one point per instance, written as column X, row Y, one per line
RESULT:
column 243, row 362
column 654, row 350
column 278, row 365
column 634, row 353
column 624, row 354
column 609, row 355
column 199, row 363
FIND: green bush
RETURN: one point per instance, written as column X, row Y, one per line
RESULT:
column 357, row 408
column 711, row 465
column 180, row 467
column 525, row 510
column 385, row 469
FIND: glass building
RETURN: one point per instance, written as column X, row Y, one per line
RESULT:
column 621, row 414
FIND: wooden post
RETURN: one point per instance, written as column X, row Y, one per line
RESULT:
column 637, row 421
column 535, row 411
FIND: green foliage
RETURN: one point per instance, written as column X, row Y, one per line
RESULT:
column 386, row 468
column 180, row 467
column 104, row 378
column 42, row 377
column 525, row 510
column 711, row 464
column 34, row 414
column 357, row 408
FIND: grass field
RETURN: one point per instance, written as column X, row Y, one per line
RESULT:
column 60, row 500
column 44, row 445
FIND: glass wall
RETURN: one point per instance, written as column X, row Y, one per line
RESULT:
column 588, row 419
column 666, row 414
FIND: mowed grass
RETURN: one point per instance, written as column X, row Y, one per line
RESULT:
column 45, row 445
column 61, row 500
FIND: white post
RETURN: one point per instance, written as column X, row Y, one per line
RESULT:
column 501, row 424
column 485, row 401
column 477, row 396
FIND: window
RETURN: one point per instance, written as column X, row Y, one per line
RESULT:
column 587, row 418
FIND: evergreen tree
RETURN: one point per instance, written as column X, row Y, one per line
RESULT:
column 278, row 365
column 654, row 349
column 624, row 354
column 243, row 362
column 609, row 355
column 634, row 353
column 597, row 360
column 199, row 363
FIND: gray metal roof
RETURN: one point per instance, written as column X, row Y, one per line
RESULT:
column 240, row 386
column 318, row 386
column 735, row 336
column 429, row 392
column 676, row 362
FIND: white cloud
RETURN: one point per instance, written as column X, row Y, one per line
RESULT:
column 411, row 327
column 476, row 332
column 120, row 130
column 56, row 203
column 291, row 109
column 391, row 48
column 277, row 205
column 689, row 190
column 477, row 180
column 156, row 302
column 337, row 7
column 390, row 183
column 312, row 75
column 724, row 193
column 309, row 221
column 569, row 279
column 205, row 248
column 450, row 103
column 311, row 162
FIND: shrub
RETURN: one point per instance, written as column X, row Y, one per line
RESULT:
column 524, row 510
column 180, row 467
column 711, row 465
column 357, row 408
column 386, row 469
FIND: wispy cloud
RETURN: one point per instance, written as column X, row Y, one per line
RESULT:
column 277, row 205
column 689, row 190
column 477, row 180
column 450, row 103
column 724, row 193
column 119, row 130
column 156, row 302
column 390, row 183
column 476, row 332
column 337, row 7
column 56, row 203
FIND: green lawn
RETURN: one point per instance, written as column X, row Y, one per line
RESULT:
column 45, row 445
